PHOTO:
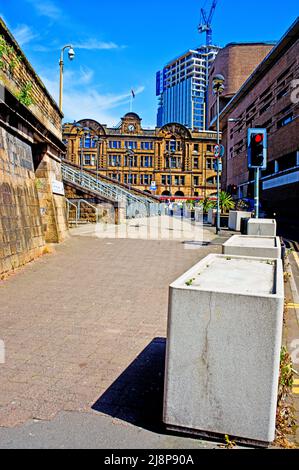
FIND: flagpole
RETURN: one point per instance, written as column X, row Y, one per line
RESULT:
column 131, row 103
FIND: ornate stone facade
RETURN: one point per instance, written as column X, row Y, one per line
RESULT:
column 178, row 161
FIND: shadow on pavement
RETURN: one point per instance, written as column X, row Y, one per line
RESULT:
column 137, row 395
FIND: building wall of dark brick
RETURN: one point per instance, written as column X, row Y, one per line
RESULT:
column 235, row 62
column 263, row 106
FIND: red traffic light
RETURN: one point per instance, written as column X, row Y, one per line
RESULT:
column 259, row 138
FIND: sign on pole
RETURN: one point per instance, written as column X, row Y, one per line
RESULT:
column 219, row 151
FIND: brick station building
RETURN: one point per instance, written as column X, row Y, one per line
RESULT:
column 269, row 99
column 187, row 172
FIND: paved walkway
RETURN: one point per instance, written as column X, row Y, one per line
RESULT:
column 84, row 330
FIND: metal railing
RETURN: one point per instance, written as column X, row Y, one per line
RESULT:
column 136, row 207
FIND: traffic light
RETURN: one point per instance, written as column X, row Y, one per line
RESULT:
column 257, row 148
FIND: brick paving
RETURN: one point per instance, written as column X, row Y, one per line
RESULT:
column 85, row 327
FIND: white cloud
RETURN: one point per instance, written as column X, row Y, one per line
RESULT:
column 46, row 8
column 86, row 75
column 94, row 44
column 81, row 101
column 24, row 34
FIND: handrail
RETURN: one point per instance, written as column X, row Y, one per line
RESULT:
column 106, row 189
column 76, row 208
column 82, row 201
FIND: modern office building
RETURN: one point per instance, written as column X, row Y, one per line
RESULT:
column 182, row 89
column 173, row 159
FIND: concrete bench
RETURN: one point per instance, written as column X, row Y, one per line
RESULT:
column 262, row 227
column 223, row 351
column 264, row 247
column 235, row 218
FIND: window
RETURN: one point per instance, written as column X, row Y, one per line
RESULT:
column 211, row 181
column 89, row 160
column 131, row 145
column 147, row 162
column 196, row 147
column 173, row 146
column 115, row 144
column 282, row 93
column 173, row 162
column 114, row 176
column 145, row 180
column 196, row 163
column 131, row 161
column 196, row 180
column 114, row 160
column 265, row 108
column 166, row 180
column 179, row 180
column 87, row 141
column 147, row 145
column 209, row 148
column 209, row 164
column 131, row 179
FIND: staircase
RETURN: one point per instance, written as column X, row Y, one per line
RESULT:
column 136, row 206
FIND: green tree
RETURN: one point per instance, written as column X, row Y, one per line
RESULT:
column 207, row 204
column 226, row 202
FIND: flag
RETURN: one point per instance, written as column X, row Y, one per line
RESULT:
column 133, row 93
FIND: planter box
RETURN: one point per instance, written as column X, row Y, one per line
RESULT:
column 262, row 227
column 223, row 350
column 235, row 218
column 212, row 214
column 198, row 215
column 264, row 247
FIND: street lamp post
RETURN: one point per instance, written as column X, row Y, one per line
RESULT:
column 71, row 55
column 218, row 88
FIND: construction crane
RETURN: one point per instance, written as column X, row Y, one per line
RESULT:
column 206, row 23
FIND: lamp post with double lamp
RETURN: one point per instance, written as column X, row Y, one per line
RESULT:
column 71, row 55
column 218, row 88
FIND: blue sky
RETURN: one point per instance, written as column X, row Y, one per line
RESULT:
column 121, row 44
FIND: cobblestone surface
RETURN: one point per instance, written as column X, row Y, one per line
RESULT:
column 84, row 330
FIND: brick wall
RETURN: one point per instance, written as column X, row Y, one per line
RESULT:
column 107, row 213
column 21, row 232
column 43, row 106
column 235, row 62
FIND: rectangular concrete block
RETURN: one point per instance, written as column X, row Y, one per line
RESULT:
column 242, row 245
column 198, row 214
column 223, row 349
column 235, row 218
column 262, row 227
column 212, row 214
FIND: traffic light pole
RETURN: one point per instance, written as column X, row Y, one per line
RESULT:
column 257, row 193
column 218, row 221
